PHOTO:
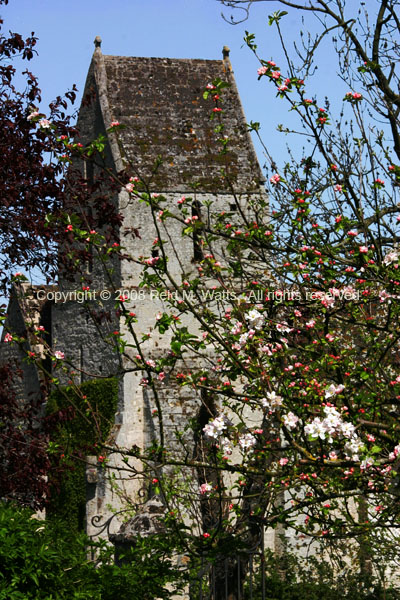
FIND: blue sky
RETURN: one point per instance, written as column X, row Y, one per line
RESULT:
column 167, row 28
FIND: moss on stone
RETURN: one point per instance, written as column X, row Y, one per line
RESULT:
column 86, row 416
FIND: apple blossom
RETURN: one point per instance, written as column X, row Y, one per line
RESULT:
column 275, row 179
column 205, row 488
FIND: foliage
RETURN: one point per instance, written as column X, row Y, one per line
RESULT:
column 41, row 561
column 35, row 563
column 83, row 420
column 24, row 462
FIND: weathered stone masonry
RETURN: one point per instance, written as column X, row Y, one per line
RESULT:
column 160, row 101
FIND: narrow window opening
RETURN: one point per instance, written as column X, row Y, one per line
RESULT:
column 197, row 247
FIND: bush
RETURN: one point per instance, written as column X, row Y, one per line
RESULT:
column 39, row 561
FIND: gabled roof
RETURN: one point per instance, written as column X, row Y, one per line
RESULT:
column 160, row 101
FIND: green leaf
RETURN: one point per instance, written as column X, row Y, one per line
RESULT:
column 276, row 16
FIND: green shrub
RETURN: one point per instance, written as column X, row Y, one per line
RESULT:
column 39, row 561
column 36, row 562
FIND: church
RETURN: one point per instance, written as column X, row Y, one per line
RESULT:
column 167, row 140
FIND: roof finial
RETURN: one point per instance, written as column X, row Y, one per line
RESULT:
column 225, row 52
column 97, row 41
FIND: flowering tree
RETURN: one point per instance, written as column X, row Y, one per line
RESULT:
column 296, row 309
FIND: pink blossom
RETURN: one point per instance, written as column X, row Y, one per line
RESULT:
column 283, row 461
column 275, row 179
column 262, row 70
column 59, row 355
column 8, row 337
column 205, row 488
column 338, row 188
column 152, row 261
column 114, row 123
column 275, row 74
column 363, row 249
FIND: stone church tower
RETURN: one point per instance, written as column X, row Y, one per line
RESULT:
column 160, row 103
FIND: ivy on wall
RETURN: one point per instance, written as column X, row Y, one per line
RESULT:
column 85, row 417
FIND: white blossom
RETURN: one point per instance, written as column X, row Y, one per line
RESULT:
column 247, row 441
column 272, row 401
column 215, row 428
column 333, row 389
column 391, row 257
column 290, row 420
column 255, row 318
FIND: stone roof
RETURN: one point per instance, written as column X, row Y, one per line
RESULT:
column 160, row 101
